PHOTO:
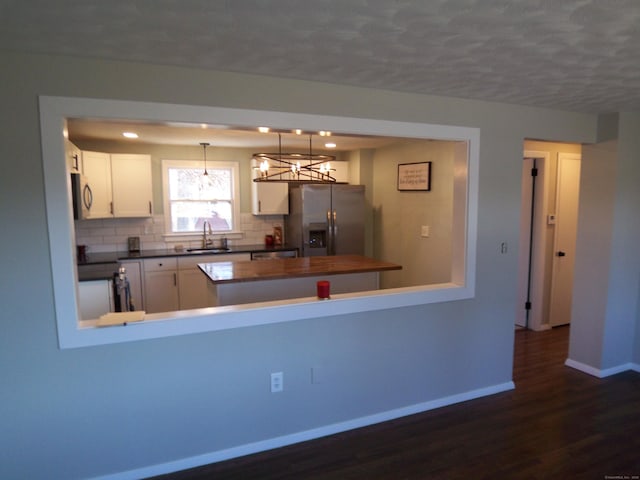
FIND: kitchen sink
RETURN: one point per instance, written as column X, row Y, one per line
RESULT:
column 208, row 250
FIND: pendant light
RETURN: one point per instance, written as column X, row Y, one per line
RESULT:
column 204, row 148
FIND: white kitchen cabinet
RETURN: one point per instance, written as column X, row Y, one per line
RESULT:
column 268, row 198
column 131, row 185
column 73, row 156
column 134, row 275
column 96, row 168
column 120, row 184
column 176, row 283
column 193, row 284
column 161, row 285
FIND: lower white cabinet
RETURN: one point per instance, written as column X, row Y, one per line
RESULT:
column 161, row 285
column 176, row 283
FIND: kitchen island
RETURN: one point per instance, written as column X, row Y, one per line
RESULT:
column 241, row 282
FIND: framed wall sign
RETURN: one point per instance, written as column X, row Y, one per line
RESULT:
column 414, row 176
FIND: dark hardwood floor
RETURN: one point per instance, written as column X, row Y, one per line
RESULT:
column 558, row 423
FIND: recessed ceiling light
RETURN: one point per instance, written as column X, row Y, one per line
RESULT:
column 263, row 129
column 330, row 145
column 298, row 131
column 129, row 134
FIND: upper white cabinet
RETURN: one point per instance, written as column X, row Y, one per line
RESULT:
column 97, row 194
column 268, row 198
column 118, row 185
column 74, row 157
column 131, row 184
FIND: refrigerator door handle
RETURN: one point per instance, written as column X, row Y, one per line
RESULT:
column 329, row 233
column 334, row 236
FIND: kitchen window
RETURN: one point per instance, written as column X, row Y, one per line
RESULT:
column 193, row 200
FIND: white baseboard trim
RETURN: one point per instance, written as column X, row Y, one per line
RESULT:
column 277, row 442
column 541, row 328
column 596, row 372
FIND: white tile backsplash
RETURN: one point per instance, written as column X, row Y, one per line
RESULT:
column 110, row 234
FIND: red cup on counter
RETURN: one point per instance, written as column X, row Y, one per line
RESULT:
column 324, row 289
column 268, row 240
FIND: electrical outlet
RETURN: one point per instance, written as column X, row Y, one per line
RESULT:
column 277, row 382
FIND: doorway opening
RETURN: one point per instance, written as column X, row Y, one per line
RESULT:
column 548, row 220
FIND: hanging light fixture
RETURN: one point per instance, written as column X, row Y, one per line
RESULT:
column 204, row 148
column 307, row 167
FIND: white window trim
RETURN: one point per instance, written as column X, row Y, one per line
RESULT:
column 73, row 333
column 235, row 194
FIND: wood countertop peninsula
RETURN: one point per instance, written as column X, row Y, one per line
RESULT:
column 281, row 268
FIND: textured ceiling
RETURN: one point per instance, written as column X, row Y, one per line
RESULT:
column 581, row 55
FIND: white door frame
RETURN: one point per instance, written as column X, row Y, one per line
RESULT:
column 539, row 253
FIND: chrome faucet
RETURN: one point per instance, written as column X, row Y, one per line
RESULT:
column 206, row 242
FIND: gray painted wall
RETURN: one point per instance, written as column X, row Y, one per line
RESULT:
column 624, row 269
column 593, row 246
column 399, row 215
column 102, row 410
column 636, row 347
column 604, row 332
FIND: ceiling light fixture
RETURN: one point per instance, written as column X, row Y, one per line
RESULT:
column 294, row 167
column 130, row 134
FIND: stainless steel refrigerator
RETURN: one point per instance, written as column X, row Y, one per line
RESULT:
column 326, row 219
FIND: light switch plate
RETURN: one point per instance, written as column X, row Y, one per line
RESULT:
column 424, row 231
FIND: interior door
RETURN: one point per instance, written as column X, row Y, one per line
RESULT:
column 567, row 197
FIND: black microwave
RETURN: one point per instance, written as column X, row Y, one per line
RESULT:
column 81, row 196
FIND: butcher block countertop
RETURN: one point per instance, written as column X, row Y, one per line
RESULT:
column 247, row 271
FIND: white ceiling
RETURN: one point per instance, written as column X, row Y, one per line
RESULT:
column 220, row 136
column 580, row 55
